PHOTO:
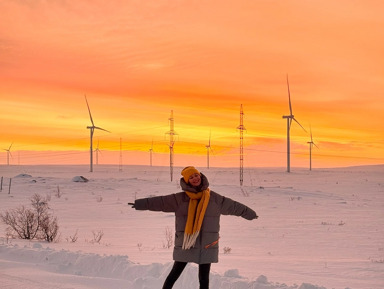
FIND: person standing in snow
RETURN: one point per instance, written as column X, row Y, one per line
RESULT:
column 197, row 210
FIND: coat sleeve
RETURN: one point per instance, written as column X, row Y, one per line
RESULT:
column 231, row 207
column 168, row 203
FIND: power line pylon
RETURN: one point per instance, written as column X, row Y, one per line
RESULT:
column 241, row 128
column 171, row 133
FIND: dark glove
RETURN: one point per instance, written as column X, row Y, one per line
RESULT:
column 132, row 204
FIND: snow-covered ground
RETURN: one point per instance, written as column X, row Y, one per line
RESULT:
column 318, row 229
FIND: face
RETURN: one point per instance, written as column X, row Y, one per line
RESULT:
column 195, row 180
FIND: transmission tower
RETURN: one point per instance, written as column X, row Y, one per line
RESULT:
column 171, row 133
column 241, row 128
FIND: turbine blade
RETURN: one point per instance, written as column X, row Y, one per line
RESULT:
column 10, row 146
column 310, row 128
column 289, row 97
column 209, row 142
column 89, row 110
column 96, row 127
column 299, row 124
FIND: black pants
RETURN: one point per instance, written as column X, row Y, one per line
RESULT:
column 178, row 268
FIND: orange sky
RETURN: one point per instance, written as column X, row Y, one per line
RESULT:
column 138, row 60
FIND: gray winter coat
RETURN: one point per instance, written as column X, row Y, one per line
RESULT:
column 206, row 249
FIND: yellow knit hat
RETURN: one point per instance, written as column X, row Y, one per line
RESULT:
column 189, row 171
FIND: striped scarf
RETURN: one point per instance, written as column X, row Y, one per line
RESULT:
column 198, row 204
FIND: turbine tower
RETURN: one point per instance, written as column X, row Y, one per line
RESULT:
column 289, row 118
column 241, row 128
column 92, row 129
column 311, row 144
column 8, row 150
column 171, row 133
column 208, row 149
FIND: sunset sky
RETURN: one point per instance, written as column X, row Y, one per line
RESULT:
column 136, row 61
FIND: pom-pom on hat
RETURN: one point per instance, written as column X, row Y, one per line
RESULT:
column 189, row 171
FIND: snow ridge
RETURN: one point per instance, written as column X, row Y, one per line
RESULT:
column 119, row 267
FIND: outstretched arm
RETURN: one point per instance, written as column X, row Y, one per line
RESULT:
column 231, row 207
column 168, row 203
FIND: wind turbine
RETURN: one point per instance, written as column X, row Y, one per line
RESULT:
column 289, row 118
column 97, row 151
column 208, row 149
column 311, row 144
column 92, row 129
column 8, row 150
column 150, row 154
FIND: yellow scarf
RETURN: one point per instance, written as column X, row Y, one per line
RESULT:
column 196, row 212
